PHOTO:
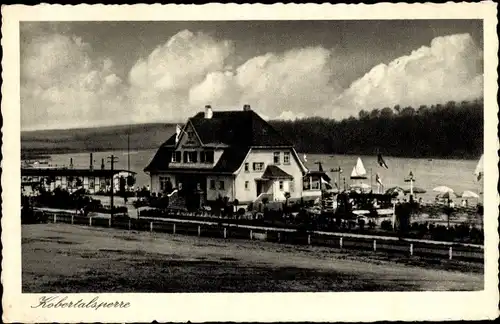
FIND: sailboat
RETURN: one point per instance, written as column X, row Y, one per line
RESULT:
column 359, row 171
column 478, row 172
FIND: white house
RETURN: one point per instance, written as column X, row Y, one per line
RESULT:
column 233, row 154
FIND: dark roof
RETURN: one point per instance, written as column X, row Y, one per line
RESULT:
column 237, row 128
column 319, row 173
column 59, row 172
column 240, row 130
column 274, row 172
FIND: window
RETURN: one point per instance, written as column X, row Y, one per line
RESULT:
column 286, row 158
column 212, row 184
column 207, row 157
column 247, row 167
column 276, row 157
column 258, row 166
column 307, row 183
column 190, row 157
column 165, row 184
column 247, row 185
column 221, row 185
column 281, row 185
column 315, row 183
column 176, row 157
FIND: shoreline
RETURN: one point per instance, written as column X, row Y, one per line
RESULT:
column 46, row 153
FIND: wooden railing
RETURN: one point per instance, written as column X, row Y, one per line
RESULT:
column 390, row 245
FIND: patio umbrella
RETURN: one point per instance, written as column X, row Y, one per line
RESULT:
column 394, row 191
column 416, row 190
column 447, row 195
column 443, row 189
column 469, row 194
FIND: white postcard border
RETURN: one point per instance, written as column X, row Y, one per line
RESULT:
column 270, row 307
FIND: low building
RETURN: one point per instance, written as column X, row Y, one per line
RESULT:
column 93, row 180
column 228, row 154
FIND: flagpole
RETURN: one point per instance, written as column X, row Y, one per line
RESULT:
column 371, row 180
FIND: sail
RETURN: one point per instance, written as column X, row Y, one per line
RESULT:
column 479, row 168
column 358, row 172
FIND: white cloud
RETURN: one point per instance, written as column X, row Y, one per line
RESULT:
column 450, row 69
column 62, row 86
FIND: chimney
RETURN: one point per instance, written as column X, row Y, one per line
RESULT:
column 91, row 166
column 246, row 108
column 178, row 131
column 102, row 164
column 208, row 112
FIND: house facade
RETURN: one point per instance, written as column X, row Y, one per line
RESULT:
column 227, row 154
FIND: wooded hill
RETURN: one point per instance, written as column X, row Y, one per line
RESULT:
column 453, row 130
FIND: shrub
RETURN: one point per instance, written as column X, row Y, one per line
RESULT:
column 386, row 225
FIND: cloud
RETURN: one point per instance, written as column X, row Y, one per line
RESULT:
column 449, row 69
column 63, row 84
column 61, row 87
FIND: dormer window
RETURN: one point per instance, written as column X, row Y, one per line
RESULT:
column 190, row 157
column 207, row 157
column 176, row 157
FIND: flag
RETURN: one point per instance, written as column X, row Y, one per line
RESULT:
column 378, row 179
column 381, row 161
column 410, row 176
column 305, row 158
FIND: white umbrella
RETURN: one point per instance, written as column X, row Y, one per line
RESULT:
column 469, row 194
column 443, row 189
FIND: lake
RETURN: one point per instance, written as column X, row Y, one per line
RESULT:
column 456, row 174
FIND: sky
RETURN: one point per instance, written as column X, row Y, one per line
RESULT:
column 86, row 74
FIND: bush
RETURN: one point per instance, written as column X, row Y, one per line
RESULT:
column 386, row 225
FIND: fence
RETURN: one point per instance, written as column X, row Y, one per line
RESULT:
column 390, row 245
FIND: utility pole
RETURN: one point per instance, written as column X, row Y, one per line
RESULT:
column 339, row 171
column 112, row 159
column 128, row 150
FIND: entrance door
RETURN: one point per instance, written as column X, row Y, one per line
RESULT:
column 259, row 187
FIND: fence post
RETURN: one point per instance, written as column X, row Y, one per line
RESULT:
column 199, row 230
column 279, row 236
column 251, row 234
column 55, row 218
column 151, row 226
column 109, row 222
column 450, row 253
column 411, row 248
column 309, row 239
column 129, row 225
column 340, row 242
column 72, row 219
column 374, row 245
column 174, row 229
column 90, row 221
column 225, row 232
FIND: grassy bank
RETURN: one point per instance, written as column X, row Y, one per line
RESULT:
column 63, row 259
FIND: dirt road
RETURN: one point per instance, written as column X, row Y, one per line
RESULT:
column 65, row 258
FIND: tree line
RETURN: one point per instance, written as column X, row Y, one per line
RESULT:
column 451, row 130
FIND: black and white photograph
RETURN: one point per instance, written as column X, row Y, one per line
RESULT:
column 164, row 156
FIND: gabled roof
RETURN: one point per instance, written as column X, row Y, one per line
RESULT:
column 239, row 130
column 273, row 172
